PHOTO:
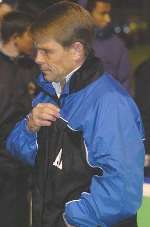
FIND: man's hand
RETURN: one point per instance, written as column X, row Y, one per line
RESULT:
column 42, row 115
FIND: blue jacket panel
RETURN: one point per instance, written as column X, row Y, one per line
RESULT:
column 113, row 135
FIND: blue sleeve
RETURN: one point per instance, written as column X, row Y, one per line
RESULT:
column 113, row 144
column 22, row 144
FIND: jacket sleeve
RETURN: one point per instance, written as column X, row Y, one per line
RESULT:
column 22, row 144
column 116, row 194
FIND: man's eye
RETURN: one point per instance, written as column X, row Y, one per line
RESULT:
column 46, row 52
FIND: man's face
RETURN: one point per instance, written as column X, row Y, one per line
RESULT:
column 54, row 60
column 101, row 14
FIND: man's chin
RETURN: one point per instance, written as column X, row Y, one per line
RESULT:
column 48, row 77
column 45, row 76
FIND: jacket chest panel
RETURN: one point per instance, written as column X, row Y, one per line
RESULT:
column 65, row 171
column 62, row 149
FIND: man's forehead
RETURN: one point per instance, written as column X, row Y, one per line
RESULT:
column 39, row 44
column 46, row 44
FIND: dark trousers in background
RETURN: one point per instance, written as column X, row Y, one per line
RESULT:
column 14, row 205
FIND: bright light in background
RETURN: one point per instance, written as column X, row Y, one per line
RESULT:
column 126, row 29
column 117, row 29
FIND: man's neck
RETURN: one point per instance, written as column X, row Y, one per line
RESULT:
column 59, row 86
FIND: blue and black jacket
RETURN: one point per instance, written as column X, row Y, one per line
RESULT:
column 89, row 164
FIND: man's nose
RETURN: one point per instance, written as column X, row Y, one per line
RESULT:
column 39, row 57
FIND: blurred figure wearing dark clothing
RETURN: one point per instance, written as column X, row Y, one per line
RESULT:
column 15, row 75
column 142, row 94
column 107, row 45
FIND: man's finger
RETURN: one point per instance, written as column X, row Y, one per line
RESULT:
column 46, row 116
column 40, row 123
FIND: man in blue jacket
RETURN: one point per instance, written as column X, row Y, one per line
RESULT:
column 84, row 135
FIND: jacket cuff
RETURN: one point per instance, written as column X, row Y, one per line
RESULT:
column 28, row 131
column 66, row 221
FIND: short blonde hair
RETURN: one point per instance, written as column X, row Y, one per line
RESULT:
column 65, row 22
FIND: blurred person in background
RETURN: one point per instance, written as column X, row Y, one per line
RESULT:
column 142, row 94
column 17, row 72
column 107, row 46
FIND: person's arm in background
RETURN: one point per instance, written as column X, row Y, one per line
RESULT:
column 7, row 117
column 8, row 112
column 6, row 107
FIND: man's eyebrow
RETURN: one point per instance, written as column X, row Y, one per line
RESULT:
column 37, row 47
column 40, row 48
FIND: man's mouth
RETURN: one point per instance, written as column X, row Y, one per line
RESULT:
column 44, row 69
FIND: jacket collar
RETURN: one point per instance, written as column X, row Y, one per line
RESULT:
column 90, row 71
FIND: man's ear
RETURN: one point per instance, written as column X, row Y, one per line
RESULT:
column 77, row 50
column 16, row 39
